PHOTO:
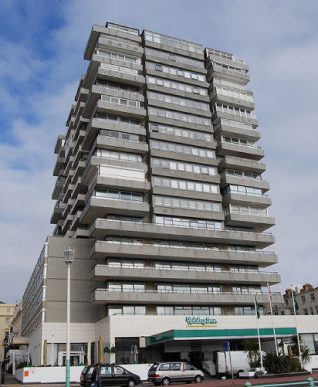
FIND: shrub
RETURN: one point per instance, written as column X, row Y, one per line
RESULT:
column 280, row 364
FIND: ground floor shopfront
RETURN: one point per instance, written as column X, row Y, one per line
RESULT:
column 139, row 338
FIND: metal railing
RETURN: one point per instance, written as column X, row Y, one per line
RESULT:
column 310, row 382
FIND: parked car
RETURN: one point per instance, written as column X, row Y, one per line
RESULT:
column 109, row 375
column 169, row 372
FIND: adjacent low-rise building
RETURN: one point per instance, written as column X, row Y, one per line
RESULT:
column 6, row 313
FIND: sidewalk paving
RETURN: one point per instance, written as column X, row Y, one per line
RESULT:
column 10, row 381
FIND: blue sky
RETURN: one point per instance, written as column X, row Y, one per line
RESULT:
column 41, row 60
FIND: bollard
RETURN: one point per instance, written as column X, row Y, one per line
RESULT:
column 247, row 384
column 310, row 382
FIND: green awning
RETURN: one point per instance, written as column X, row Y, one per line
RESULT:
column 208, row 334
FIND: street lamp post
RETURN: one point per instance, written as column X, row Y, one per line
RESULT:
column 52, row 347
column 297, row 334
column 69, row 259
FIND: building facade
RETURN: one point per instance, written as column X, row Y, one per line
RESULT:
column 160, row 170
column 6, row 313
column 306, row 300
column 159, row 190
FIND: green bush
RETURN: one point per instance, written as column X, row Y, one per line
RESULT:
column 280, row 364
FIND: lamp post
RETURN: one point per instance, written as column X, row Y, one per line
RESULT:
column 297, row 334
column 69, row 259
column 52, row 347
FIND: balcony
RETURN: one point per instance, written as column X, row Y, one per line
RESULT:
column 98, row 30
column 58, row 165
column 239, row 150
column 105, row 272
column 95, row 162
column 148, row 297
column 258, row 223
column 230, row 162
column 226, row 58
column 98, row 124
column 261, row 201
column 231, row 128
column 109, row 248
column 58, row 187
column 99, row 91
column 107, row 142
column 151, row 230
column 227, row 178
column 57, row 212
column 229, row 72
column 116, row 73
column 97, row 207
column 120, row 109
column 240, row 99
column 112, row 44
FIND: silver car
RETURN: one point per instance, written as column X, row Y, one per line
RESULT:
column 177, row 371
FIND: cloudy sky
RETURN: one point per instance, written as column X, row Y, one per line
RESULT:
column 41, row 60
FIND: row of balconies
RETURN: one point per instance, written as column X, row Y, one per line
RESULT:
column 105, row 272
column 104, row 296
column 101, row 227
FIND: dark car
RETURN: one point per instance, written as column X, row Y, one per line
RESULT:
column 108, row 375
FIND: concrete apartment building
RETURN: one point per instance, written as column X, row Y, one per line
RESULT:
column 159, row 191
column 6, row 313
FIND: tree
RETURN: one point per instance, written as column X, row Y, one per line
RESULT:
column 252, row 353
column 305, row 353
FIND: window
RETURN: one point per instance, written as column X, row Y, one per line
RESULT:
column 312, row 296
column 184, row 185
column 199, row 205
column 175, row 366
column 118, row 370
column 106, row 370
column 190, row 118
column 183, row 166
column 164, row 367
column 311, row 310
column 303, row 299
column 305, row 311
column 118, row 195
column 118, row 155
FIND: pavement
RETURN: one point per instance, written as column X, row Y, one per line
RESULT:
column 10, row 381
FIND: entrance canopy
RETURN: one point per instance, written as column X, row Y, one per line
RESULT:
column 217, row 334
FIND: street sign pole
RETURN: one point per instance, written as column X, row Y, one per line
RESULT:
column 227, row 348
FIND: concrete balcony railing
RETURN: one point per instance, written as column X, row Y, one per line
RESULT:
column 97, row 124
column 261, row 201
column 243, row 100
column 233, row 74
column 97, row 206
column 225, row 57
column 104, row 296
column 106, row 272
column 239, row 150
column 109, row 248
column 244, row 164
column 258, row 223
column 227, row 178
column 100, row 227
column 233, row 128
column 58, row 187
column 57, row 212
column 58, row 165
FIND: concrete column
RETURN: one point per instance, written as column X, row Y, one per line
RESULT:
column 89, row 355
